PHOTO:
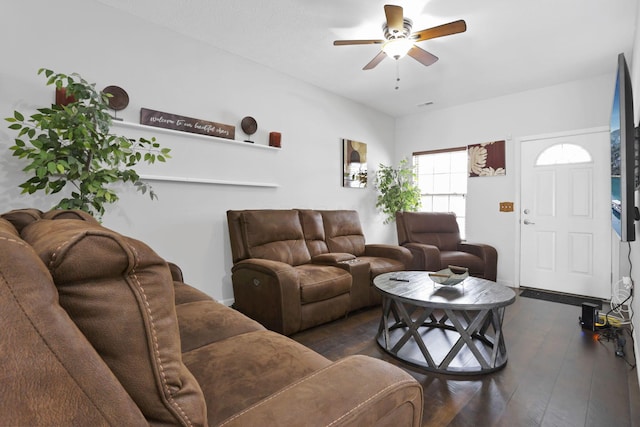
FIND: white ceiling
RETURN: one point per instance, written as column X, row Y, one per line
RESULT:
column 509, row 46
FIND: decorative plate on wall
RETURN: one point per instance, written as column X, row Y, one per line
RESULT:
column 119, row 98
column 249, row 126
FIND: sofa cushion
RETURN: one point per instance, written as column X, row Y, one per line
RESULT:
column 20, row 218
column 275, row 235
column 474, row 263
column 440, row 229
column 50, row 373
column 207, row 321
column 184, row 293
column 313, row 228
column 249, row 368
column 70, row 214
column 120, row 294
column 322, row 282
column 343, row 231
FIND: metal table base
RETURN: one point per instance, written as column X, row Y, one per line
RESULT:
column 452, row 330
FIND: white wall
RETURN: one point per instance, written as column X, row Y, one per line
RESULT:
column 576, row 105
column 164, row 71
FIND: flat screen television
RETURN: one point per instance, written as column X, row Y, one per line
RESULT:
column 623, row 156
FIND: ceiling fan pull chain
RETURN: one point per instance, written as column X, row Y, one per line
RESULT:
column 397, row 74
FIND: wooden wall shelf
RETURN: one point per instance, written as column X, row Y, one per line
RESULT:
column 179, row 177
column 208, row 181
column 118, row 123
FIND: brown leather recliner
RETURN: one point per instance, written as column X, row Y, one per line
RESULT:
column 434, row 240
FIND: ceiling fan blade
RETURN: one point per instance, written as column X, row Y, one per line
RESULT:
column 352, row 42
column 395, row 18
column 441, row 30
column 375, row 61
column 422, row 56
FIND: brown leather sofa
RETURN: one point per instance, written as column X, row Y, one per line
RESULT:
column 434, row 240
column 298, row 268
column 98, row 330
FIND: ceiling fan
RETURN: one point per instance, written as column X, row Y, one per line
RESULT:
column 400, row 41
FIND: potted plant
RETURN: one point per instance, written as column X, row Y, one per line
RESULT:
column 71, row 146
column 397, row 190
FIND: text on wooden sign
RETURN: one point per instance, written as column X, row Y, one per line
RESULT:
column 186, row 124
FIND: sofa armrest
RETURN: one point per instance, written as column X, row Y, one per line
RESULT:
column 487, row 253
column 268, row 292
column 265, row 265
column 332, row 258
column 176, row 272
column 389, row 251
column 425, row 257
column 355, row 391
column 358, row 268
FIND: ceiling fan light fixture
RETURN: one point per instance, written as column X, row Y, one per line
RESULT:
column 397, row 48
column 399, row 40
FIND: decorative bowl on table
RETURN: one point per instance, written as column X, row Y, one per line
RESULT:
column 450, row 276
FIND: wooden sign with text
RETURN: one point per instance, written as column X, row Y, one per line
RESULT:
column 185, row 124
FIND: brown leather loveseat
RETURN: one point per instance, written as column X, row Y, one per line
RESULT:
column 298, row 268
column 98, row 330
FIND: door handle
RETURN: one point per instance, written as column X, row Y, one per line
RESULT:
column 527, row 222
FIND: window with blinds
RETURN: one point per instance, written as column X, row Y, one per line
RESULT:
column 442, row 178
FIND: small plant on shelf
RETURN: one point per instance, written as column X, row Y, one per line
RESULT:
column 397, row 190
column 71, row 145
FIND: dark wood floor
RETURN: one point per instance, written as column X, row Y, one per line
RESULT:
column 557, row 374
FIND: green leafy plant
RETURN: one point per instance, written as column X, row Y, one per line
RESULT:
column 397, row 190
column 71, row 145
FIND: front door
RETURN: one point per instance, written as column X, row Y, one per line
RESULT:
column 565, row 230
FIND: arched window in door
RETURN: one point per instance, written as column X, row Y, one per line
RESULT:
column 561, row 154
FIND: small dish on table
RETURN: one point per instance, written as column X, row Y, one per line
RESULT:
column 450, row 276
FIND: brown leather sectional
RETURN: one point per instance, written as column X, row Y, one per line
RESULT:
column 298, row 268
column 98, row 330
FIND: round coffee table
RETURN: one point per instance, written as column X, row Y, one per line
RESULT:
column 448, row 329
